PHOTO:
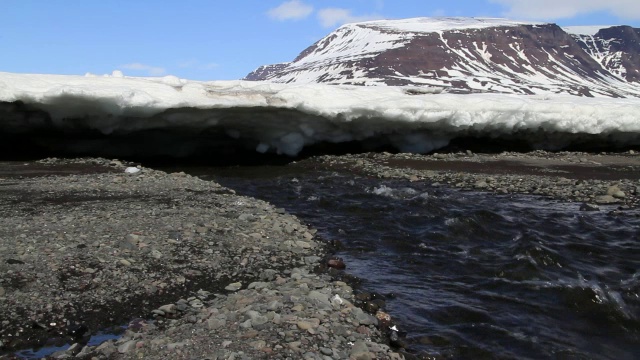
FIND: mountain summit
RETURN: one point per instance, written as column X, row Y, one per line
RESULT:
column 471, row 55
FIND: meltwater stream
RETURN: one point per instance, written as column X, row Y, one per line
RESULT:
column 476, row 276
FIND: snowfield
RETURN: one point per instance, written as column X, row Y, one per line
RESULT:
column 284, row 118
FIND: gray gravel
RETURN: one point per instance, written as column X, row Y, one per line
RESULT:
column 196, row 271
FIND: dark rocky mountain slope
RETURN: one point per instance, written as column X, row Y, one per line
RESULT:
column 467, row 55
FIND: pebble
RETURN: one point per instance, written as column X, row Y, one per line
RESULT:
column 234, row 286
column 168, row 308
column 127, row 346
column 606, row 199
column 589, row 207
column 124, row 262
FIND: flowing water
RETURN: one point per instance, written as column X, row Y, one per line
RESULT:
column 475, row 275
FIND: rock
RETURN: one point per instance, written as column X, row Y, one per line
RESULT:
column 384, row 319
column 616, row 192
column 336, row 263
column 74, row 349
column 258, row 344
column 360, row 351
column 14, row 262
column 175, row 345
column 130, row 242
column 234, row 286
column 214, row 324
column 106, row 348
column 124, row 262
column 606, row 199
column 370, row 307
column 364, row 318
column 85, row 352
column 395, row 340
column 258, row 285
column 310, row 260
column 168, row 309
column 259, row 320
column 2, row 291
column 303, row 244
column 481, row 184
column 589, row 207
column 268, row 275
column 319, row 298
column 127, row 346
column 304, row 325
column 295, row 346
column 619, row 195
column 326, row 351
column 132, row 170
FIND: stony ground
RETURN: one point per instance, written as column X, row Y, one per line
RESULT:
column 196, row 271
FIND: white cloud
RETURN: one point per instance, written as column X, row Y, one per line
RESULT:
column 151, row 70
column 331, row 17
column 562, row 9
column 290, row 10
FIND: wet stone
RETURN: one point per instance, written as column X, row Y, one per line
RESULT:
column 589, row 207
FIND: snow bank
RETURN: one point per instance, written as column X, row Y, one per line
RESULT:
column 285, row 118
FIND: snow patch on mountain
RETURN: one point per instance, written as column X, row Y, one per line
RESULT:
column 589, row 30
column 464, row 55
column 439, row 24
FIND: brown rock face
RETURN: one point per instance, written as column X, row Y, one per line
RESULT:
column 520, row 59
column 617, row 49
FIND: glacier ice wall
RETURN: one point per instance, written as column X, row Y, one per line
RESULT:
column 123, row 116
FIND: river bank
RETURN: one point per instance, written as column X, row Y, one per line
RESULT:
column 197, row 270
column 587, row 178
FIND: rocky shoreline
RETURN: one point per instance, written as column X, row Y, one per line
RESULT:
column 195, row 270
column 591, row 180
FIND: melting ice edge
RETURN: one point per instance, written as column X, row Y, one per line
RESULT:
column 114, row 115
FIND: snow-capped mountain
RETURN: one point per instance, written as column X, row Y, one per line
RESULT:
column 469, row 55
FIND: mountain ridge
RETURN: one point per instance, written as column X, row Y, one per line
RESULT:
column 470, row 55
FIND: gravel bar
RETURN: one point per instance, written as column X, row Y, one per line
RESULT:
column 591, row 180
column 182, row 268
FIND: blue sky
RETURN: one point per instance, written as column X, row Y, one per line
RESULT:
column 220, row 40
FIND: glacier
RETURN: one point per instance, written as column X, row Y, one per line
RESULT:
column 116, row 115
